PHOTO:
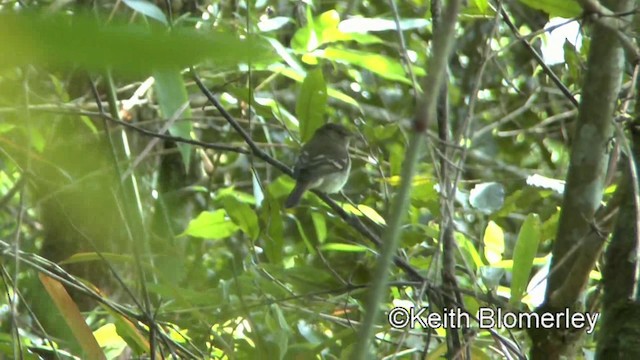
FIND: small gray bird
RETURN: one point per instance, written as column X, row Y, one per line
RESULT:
column 323, row 164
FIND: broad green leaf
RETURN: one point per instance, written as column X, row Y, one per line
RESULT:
column 556, row 8
column 128, row 48
column 239, row 195
column 211, row 225
column 108, row 339
column 523, row 254
column 493, row 242
column 381, row 65
column 320, row 224
column 311, row 104
column 328, row 19
column 147, row 9
column 372, row 214
column 172, row 97
column 243, row 215
column 350, row 209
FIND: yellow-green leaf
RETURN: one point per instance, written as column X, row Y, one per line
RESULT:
column 211, row 225
column 493, row 242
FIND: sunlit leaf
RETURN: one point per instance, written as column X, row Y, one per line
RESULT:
column 211, row 225
column 320, row 224
column 493, row 242
column 108, row 338
column 381, row 65
column 371, row 214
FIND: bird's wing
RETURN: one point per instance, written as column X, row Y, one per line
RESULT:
column 310, row 167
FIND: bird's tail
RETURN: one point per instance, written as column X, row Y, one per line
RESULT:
column 295, row 196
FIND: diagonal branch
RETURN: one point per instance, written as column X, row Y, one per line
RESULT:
column 353, row 221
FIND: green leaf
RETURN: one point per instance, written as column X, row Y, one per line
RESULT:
column 56, row 41
column 147, row 9
column 523, row 254
column 320, row 224
column 172, row 97
column 371, row 214
column 556, row 8
column 243, row 215
column 211, row 225
column 493, row 242
column 481, row 5
column 311, row 103
column 109, row 340
column 381, row 65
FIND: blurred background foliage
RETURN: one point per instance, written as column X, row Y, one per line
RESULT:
column 191, row 241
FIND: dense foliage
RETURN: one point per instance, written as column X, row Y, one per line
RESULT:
column 145, row 148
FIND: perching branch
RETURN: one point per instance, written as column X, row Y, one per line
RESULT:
column 258, row 152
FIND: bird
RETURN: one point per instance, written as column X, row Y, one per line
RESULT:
column 323, row 164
